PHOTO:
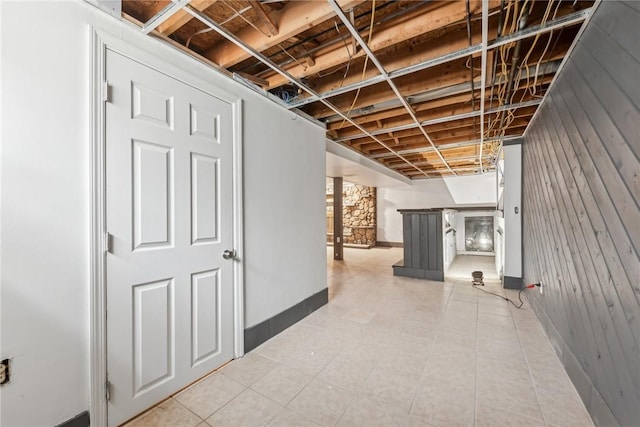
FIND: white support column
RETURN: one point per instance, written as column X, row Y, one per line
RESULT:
column 512, row 198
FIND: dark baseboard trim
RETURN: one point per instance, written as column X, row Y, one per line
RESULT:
column 81, row 420
column 352, row 245
column 417, row 273
column 389, row 244
column 509, row 282
column 256, row 335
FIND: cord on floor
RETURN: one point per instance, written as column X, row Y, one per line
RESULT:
column 505, row 298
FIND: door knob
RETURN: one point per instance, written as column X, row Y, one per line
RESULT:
column 229, row 254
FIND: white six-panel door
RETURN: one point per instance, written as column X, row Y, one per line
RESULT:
column 169, row 214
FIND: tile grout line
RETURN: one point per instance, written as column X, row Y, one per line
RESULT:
column 226, row 403
column 406, row 293
column 526, row 358
column 415, row 393
column 475, row 371
column 202, row 420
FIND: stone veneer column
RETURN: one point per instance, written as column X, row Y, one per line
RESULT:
column 359, row 215
column 338, row 239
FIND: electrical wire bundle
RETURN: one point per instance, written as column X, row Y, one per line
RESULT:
column 515, row 12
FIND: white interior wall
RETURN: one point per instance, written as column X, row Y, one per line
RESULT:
column 500, row 183
column 44, row 212
column 44, row 206
column 499, row 242
column 421, row 194
column 512, row 210
column 449, row 238
column 285, row 212
column 455, row 192
column 469, row 190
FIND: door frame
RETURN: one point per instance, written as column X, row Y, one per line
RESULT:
column 187, row 70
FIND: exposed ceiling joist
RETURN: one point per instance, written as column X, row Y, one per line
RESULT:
column 443, row 119
column 388, row 79
column 166, row 13
column 393, row 74
column 391, row 33
column 483, row 70
column 272, row 29
column 444, row 86
column 206, row 20
column 452, row 145
column 462, row 53
column 180, row 18
column 293, row 19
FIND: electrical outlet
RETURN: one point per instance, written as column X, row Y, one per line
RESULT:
column 5, row 372
column 541, row 291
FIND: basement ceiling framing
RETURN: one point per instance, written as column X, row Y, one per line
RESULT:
column 425, row 88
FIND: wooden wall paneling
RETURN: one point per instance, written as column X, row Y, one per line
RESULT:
column 550, row 275
column 606, row 137
column 572, row 275
column 416, row 241
column 614, row 60
column 435, row 243
column 633, row 4
column 617, row 192
column 607, row 316
column 593, row 344
column 589, row 275
column 608, row 271
column 422, row 242
column 553, row 280
column 539, row 235
column 591, row 219
column 581, row 194
column 595, row 253
column 619, row 21
column 622, row 114
column 615, row 204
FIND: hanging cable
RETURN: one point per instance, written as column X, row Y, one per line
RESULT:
column 328, row 42
column 304, row 67
column 523, row 65
column 366, row 61
column 206, row 30
column 244, row 19
column 263, row 33
column 347, row 66
column 507, row 299
column 473, row 89
column 544, row 52
column 495, row 56
column 346, row 47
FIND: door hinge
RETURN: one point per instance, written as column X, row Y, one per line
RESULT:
column 107, row 391
column 106, row 91
column 108, row 240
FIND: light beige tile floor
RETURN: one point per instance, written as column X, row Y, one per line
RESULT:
column 392, row 351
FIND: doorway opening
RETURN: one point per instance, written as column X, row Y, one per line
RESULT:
column 477, row 246
column 171, row 317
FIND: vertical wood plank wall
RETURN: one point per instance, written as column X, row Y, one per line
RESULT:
column 581, row 195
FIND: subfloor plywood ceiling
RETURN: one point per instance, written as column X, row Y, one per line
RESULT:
column 425, row 88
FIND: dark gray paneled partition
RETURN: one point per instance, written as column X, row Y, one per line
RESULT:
column 422, row 242
column 581, row 192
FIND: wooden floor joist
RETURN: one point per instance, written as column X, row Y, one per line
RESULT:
column 431, row 49
column 293, row 19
